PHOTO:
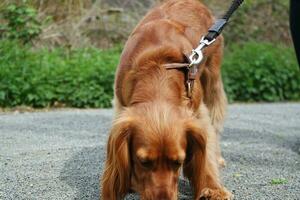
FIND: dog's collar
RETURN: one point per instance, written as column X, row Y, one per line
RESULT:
column 190, row 74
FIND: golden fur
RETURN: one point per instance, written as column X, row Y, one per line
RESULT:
column 158, row 130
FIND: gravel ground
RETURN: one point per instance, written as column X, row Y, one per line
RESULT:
column 60, row 154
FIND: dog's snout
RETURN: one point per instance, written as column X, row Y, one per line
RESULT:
column 163, row 194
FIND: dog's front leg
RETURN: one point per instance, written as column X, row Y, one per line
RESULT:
column 205, row 182
column 202, row 169
column 214, row 96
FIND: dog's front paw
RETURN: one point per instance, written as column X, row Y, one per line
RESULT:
column 215, row 194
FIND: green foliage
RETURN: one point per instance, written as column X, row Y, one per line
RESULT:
column 261, row 72
column 78, row 78
column 21, row 23
column 84, row 77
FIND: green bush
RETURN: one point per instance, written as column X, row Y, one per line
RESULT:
column 21, row 23
column 84, row 77
column 255, row 72
column 78, row 78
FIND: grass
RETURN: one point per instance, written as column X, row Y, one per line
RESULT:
column 279, row 181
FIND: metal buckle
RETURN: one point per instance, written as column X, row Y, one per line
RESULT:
column 196, row 57
column 197, row 54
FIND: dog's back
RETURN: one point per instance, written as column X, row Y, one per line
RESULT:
column 163, row 36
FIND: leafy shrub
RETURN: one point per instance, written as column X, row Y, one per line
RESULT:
column 261, row 72
column 21, row 23
column 78, row 78
column 84, row 77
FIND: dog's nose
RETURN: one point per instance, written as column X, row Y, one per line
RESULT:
column 163, row 195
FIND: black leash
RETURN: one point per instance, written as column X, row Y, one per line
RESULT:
column 213, row 33
column 219, row 25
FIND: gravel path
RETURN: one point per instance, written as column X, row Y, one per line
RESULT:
column 60, row 154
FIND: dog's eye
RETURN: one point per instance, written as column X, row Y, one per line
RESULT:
column 147, row 163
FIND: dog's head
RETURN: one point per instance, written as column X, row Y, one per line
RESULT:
column 147, row 147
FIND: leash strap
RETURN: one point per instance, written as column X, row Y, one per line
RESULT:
column 219, row 25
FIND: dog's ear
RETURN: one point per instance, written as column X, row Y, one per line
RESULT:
column 195, row 160
column 196, row 139
column 116, row 176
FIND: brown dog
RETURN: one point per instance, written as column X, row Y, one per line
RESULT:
column 158, row 129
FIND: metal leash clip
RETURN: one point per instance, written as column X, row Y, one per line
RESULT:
column 197, row 54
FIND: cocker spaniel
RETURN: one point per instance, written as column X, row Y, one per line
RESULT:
column 159, row 129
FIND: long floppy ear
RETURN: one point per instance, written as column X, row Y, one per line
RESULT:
column 195, row 161
column 116, row 176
